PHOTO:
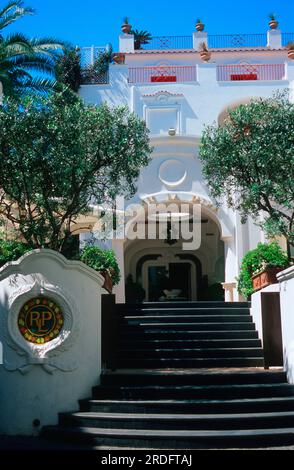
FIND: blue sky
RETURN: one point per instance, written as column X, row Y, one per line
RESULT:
column 87, row 22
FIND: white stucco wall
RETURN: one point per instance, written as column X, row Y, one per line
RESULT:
column 256, row 307
column 286, row 280
column 34, row 386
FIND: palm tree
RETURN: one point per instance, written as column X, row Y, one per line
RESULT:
column 25, row 64
column 140, row 38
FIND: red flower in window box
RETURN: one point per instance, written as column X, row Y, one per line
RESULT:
column 243, row 76
column 164, row 78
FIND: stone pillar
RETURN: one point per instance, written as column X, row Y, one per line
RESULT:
column 230, row 270
column 199, row 37
column 119, row 289
column 274, row 39
column 126, row 43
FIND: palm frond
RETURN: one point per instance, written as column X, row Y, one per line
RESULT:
column 13, row 11
column 48, row 43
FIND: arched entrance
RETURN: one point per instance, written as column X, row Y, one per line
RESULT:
column 163, row 271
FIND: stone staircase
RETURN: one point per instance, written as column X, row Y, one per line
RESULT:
column 187, row 376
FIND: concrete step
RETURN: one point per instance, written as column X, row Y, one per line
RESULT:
column 185, row 311
column 189, row 343
column 237, row 405
column 190, row 353
column 127, row 334
column 124, row 362
column 172, row 439
column 187, row 392
column 176, row 421
column 189, row 304
column 163, row 319
column 190, row 377
column 163, row 327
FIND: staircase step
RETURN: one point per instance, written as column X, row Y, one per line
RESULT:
column 190, row 343
column 165, row 326
column 128, row 334
column 179, row 421
column 190, row 353
column 190, row 377
column 186, row 304
column 185, row 311
column 163, row 319
column 238, row 405
column 172, row 439
column 193, row 391
column 159, row 362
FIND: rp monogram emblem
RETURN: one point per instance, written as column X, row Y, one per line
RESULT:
column 40, row 320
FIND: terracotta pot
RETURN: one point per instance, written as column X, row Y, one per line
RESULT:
column 199, row 26
column 205, row 56
column 265, row 278
column 119, row 58
column 291, row 54
column 126, row 28
column 108, row 285
column 273, row 24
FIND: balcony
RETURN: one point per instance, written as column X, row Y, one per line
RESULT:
column 245, row 72
column 214, row 41
column 171, row 74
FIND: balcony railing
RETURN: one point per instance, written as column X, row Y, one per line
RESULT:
column 169, row 42
column 162, row 74
column 286, row 38
column 215, row 41
column 241, row 72
column 232, row 41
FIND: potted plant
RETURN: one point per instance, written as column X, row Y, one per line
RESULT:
column 126, row 26
column 290, row 47
column 104, row 262
column 204, row 52
column 119, row 58
column 199, row 25
column 273, row 24
column 260, row 266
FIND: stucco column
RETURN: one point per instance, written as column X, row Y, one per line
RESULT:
column 230, row 270
column 274, row 38
column 126, row 43
column 198, row 38
column 119, row 289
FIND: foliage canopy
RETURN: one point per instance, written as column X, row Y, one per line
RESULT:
column 58, row 157
column 249, row 162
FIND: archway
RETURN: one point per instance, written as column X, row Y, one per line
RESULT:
column 163, row 271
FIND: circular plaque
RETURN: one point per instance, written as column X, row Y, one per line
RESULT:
column 172, row 172
column 40, row 320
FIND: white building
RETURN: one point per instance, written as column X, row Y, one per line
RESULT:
column 177, row 93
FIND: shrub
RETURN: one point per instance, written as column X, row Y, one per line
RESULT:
column 11, row 250
column 134, row 291
column 263, row 256
column 101, row 260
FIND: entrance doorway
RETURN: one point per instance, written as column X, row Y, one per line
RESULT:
column 170, row 281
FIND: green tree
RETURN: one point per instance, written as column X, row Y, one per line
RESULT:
column 25, row 64
column 249, row 161
column 68, row 68
column 57, row 158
